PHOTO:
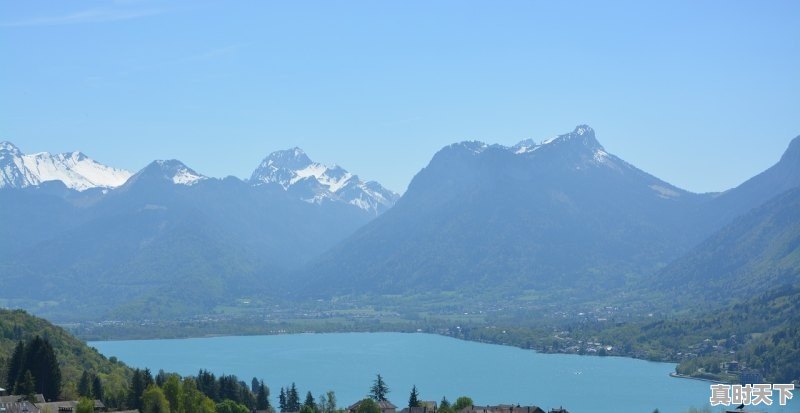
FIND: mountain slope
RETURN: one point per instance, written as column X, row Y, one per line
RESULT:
column 74, row 356
column 756, row 251
column 776, row 180
column 168, row 243
column 562, row 215
column 75, row 170
column 313, row 182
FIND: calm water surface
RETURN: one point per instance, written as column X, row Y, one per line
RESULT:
column 439, row 366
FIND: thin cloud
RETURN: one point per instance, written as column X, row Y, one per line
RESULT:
column 82, row 17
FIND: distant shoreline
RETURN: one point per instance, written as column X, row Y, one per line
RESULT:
column 683, row 376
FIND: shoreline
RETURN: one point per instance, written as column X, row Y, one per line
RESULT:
column 683, row 376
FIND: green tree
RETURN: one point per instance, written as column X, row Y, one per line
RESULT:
column 15, row 367
column 327, row 402
column 26, row 385
column 292, row 399
column 154, row 401
column 282, row 400
column 379, row 389
column 85, row 385
column 444, row 406
column 173, row 391
column 462, row 402
column 309, row 402
column 85, row 405
column 262, row 397
column 230, row 406
column 368, row 405
column 413, row 398
column 138, row 385
column 41, row 360
column 194, row 401
column 97, row 388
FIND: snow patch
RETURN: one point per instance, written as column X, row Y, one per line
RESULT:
column 75, row 169
column 663, row 192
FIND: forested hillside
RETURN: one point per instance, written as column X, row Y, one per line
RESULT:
column 74, row 356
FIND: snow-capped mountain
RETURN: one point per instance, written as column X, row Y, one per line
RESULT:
column 177, row 172
column 540, row 216
column 316, row 183
column 583, row 145
column 76, row 170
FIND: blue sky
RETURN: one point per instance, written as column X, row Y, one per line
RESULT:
column 701, row 94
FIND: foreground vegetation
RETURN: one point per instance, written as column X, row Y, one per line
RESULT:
column 73, row 355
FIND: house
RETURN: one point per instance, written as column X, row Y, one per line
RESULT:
column 67, row 406
column 558, row 410
column 750, row 377
column 37, row 398
column 502, row 408
column 385, row 406
column 18, row 407
column 730, row 367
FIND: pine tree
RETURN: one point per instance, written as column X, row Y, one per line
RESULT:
column 136, row 390
column 15, row 366
column 254, row 385
column 85, row 385
column 37, row 357
column 262, row 397
column 413, row 399
column 147, row 376
column 26, row 385
column 379, row 390
column 282, row 401
column 97, row 389
column 161, row 378
column 310, row 402
column 293, row 399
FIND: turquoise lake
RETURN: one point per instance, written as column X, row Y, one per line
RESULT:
column 439, row 366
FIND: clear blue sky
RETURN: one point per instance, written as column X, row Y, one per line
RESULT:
column 703, row 94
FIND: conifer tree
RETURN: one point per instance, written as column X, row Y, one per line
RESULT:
column 85, row 385
column 379, row 390
column 26, row 385
column 262, row 397
column 413, row 398
column 293, row 399
column 97, row 388
column 136, row 390
column 15, row 367
column 309, row 402
column 37, row 357
column 282, row 401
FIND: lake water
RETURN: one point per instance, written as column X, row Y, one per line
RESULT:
column 439, row 366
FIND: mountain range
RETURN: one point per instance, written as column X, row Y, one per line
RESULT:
column 167, row 241
column 290, row 169
column 563, row 219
